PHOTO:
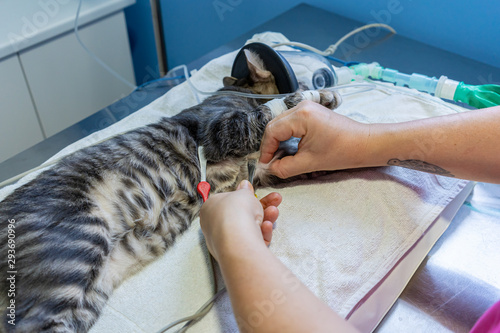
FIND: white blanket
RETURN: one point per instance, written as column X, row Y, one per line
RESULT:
column 340, row 234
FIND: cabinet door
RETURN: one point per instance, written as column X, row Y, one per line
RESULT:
column 19, row 126
column 67, row 84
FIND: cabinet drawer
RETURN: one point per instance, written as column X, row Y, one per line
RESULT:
column 67, row 84
column 19, row 126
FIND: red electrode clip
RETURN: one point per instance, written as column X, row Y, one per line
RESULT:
column 203, row 187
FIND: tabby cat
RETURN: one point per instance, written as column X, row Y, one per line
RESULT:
column 102, row 213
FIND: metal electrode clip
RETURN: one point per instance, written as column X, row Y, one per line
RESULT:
column 251, row 171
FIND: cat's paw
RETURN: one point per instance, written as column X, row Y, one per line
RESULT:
column 329, row 98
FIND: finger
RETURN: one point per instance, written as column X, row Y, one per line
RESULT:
column 269, row 145
column 267, row 232
column 279, row 129
column 289, row 166
column 272, row 199
column 245, row 184
column 271, row 213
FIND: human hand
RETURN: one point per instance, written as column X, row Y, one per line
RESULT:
column 233, row 219
column 329, row 141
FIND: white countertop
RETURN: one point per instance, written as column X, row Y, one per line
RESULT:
column 26, row 23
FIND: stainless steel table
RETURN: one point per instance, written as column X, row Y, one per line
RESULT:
column 460, row 278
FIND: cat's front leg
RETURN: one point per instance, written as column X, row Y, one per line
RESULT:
column 327, row 98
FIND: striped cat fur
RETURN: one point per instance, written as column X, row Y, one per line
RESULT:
column 106, row 211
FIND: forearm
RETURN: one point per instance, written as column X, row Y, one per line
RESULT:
column 267, row 297
column 464, row 145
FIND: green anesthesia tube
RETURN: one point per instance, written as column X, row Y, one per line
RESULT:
column 483, row 96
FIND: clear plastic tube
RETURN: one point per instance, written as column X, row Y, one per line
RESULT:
column 416, row 81
column 259, row 96
column 236, row 93
column 366, row 86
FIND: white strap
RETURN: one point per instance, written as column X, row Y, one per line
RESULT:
column 312, row 95
column 277, row 106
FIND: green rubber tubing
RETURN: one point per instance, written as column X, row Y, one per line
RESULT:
column 483, row 96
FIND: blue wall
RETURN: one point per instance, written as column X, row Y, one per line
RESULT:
column 193, row 28
column 469, row 28
column 142, row 41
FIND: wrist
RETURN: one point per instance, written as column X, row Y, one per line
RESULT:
column 238, row 263
column 382, row 143
column 237, row 238
column 239, row 252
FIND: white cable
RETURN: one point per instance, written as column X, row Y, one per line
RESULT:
column 332, row 48
column 200, row 313
column 96, row 58
column 193, row 88
column 203, row 310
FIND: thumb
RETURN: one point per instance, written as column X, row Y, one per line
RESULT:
column 289, row 166
column 245, row 184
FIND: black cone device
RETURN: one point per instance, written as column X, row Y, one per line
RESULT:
column 274, row 62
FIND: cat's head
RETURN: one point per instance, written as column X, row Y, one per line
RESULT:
column 259, row 79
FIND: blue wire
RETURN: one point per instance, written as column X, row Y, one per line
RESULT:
column 345, row 63
column 159, row 80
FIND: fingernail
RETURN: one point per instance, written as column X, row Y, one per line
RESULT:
column 244, row 184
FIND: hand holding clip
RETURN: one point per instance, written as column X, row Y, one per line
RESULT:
column 237, row 217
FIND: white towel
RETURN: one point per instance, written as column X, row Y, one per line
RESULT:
column 340, row 233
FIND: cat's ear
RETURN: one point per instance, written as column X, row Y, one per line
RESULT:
column 258, row 73
column 229, row 81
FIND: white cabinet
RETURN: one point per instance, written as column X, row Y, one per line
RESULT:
column 48, row 82
column 67, row 84
column 19, row 125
